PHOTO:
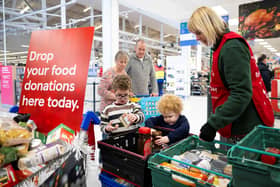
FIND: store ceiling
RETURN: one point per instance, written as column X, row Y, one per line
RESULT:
column 168, row 12
column 173, row 12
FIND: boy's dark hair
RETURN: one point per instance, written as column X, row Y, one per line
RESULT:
column 121, row 82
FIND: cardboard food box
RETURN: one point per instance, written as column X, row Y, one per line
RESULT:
column 61, row 132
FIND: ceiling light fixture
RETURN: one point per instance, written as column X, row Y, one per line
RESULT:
column 270, row 48
column 98, row 27
column 87, row 9
column 15, row 53
column 167, row 35
column 267, row 46
column 26, row 46
column 273, row 50
column 263, row 43
column 278, row 54
column 24, row 10
column 259, row 40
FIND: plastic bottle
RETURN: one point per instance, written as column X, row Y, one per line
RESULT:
column 144, row 141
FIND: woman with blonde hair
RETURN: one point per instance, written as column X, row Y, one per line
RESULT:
column 239, row 98
column 105, row 85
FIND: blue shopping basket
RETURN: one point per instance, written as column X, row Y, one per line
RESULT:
column 149, row 106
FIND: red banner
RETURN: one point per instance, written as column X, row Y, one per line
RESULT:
column 55, row 77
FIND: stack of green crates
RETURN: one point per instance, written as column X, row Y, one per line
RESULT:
column 163, row 177
column 248, row 169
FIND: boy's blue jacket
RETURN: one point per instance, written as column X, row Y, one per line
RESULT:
column 181, row 127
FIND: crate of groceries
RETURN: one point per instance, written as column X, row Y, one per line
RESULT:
column 28, row 157
column 126, row 154
column 191, row 162
column 256, row 158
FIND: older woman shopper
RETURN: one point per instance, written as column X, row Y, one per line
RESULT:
column 105, row 86
column 238, row 94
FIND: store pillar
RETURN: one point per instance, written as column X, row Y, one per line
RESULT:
column 110, row 31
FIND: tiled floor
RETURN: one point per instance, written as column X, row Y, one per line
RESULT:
column 195, row 109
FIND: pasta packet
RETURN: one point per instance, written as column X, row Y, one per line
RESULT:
column 13, row 134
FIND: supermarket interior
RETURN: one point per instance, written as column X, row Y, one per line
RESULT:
column 120, row 93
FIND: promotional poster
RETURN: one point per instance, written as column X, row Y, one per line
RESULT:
column 55, row 77
column 259, row 20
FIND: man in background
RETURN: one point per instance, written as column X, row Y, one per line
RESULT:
column 141, row 71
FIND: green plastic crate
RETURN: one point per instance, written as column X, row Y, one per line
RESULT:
column 248, row 170
column 162, row 177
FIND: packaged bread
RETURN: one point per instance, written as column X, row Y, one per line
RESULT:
column 12, row 134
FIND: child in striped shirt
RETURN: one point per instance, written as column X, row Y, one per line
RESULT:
column 110, row 116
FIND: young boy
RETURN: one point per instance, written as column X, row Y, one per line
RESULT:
column 110, row 116
column 170, row 106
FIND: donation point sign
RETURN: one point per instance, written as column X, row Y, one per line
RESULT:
column 55, row 77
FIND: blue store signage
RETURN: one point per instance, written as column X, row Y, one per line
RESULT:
column 186, row 38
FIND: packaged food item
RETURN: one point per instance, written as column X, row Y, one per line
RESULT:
column 228, row 170
column 270, row 159
column 22, row 149
column 7, row 176
column 204, row 164
column 60, row 132
column 218, row 166
column 124, row 120
column 41, row 136
column 35, row 143
column 29, row 125
column 13, row 134
column 179, row 164
column 194, row 158
column 2, row 158
column 41, row 155
column 183, row 180
column 218, row 181
column 208, row 156
column 185, row 171
column 10, row 154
